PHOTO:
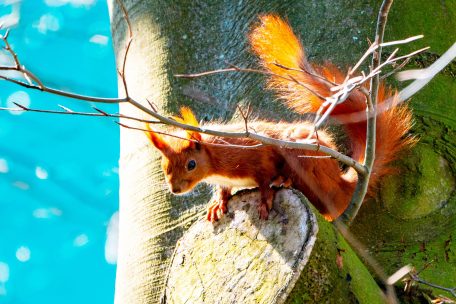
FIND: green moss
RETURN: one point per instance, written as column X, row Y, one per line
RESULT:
column 324, row 281
column 436, row 100
column 396, row 242
column 435, row 19
column 414, row 219
column 424, row 184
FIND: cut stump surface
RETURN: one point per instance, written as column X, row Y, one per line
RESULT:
column 242, row 259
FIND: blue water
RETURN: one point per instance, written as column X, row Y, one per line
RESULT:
column 58, row 174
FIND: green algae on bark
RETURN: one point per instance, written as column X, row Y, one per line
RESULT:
column 424, row 184
column 334, row 273
column 413, row 220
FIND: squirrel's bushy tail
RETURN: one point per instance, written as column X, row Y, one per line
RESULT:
column 303, row 88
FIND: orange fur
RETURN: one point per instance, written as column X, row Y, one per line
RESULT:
column 212, row 159
column 392, row 125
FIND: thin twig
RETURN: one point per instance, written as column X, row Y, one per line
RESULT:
column 370, row 260
column 29, row 76
column 403, row 41
column 369, row 51
column 417, row 279
column 361, row 187
column 67, row 111
column 323, row 79
column 422, row 78
column 152, row 105
column 127, row 47
column 126, row 17
column 245, row 116
column 235, row 68
column 343, row 90
column 396, row 69
column 224, row 144
column 314, row 156
column 64, row 93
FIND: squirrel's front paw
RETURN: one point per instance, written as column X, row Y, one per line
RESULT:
column 214, row 208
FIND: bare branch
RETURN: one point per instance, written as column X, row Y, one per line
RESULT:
column 363, row 181
column 29, row 76
column 396, row 69
column 152, row 105
column 67, row 111
column 207, row 73
column 10, row 50
column 369, row 51
column 399, row 274
column 260, row 138
column 403, row 41
column 65, row 108
column 314, row 156
column 235, row 68
column 127, row 18
column 323, row 79
column 63, row 93
column 343, row 91
column 245, row 116
column 370, row 260
column 417, row 279
column 122, row 74
column 225, row 143
column 426, row 74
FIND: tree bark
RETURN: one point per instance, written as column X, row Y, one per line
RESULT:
column 175, row 37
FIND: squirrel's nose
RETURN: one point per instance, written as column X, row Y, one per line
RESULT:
column 176, row 189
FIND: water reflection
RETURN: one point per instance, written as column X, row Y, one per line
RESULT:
column 4, row 277
column 46, row 213
column 23, row 254
column 81, row 240
column 112, row 239
column 99, row 39
column 41, row 173
column 58, row 184
column 3, row 166
column 19, row 97
column 47, row 22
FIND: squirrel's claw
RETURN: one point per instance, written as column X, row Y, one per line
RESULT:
column 214, row 208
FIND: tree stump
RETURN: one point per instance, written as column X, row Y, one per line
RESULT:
column 242, row 259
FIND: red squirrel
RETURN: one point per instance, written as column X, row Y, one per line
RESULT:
column 192, row 157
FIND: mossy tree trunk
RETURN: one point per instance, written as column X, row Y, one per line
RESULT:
column 174, row 37
column 413, row 219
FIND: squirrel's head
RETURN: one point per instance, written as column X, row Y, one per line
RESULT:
column 185, row 160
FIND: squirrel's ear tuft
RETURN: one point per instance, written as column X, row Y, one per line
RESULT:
column 156, row 139
column 188, row 118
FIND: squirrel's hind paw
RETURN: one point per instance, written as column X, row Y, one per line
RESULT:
column 280, row 182
column 263, row 211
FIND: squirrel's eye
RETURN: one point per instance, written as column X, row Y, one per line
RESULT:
column 191, row 165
